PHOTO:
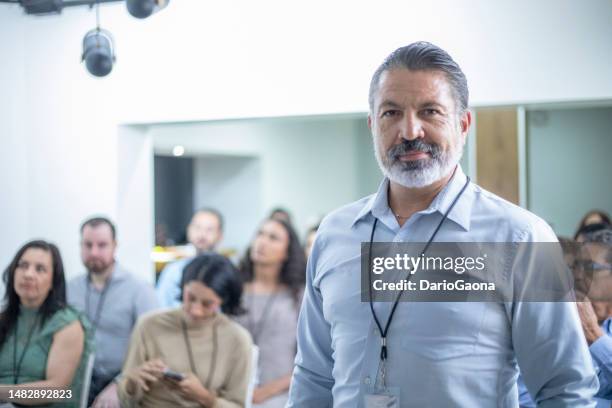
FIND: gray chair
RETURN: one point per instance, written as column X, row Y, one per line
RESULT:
column 87, row 380
column 253, row 380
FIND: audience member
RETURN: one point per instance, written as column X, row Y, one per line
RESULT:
column 273, row 269
column 590, row 229
column 208, row 355
column 204, row 232
column 593, row 217
column 43, row 342
column 310, row 237
column 592, row 267
column 112, row 299
column 281, row 214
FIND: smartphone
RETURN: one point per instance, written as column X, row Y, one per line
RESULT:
column 173, row 375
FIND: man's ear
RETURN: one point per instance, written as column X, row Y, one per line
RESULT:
column 465, row 121
column 370, row 122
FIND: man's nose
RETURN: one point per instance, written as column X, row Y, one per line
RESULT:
column 411, row 127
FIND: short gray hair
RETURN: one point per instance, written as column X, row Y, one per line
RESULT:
column 424, row 56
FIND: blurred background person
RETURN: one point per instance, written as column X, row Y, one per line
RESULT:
column 113, row 299
column 208, row 353
column 282, row 214
column 310, row 237
column 43, row 342
column 593, row 274
column 274, row 272
column 204, row 232
column 592, row 221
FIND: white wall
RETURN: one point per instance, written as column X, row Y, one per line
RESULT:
column 135, row 201
column 198, row 60
column 232, row 185
column 310, row 166
column 569, row 164
column 13, row 167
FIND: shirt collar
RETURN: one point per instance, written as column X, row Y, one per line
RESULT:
column 117, row 275
column 378, row 204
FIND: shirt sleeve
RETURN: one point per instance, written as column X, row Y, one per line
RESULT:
column 601, row 350
column 145, row 301
column 547, row 337
column 234, row 390
column 137, row 355
column 168, row 285
column 312, row 376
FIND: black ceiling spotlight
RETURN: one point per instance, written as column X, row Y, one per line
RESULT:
column 98, row 52
column 98, row 45
column 42, row 7
column 144, row 8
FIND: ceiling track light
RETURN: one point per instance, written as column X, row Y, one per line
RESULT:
column 144, row 8
column 98, row 49
column 98, row 46
column 98, row 52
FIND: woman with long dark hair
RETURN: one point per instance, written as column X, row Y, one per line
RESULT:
column 274, row 271
column 193, row 355
column 43, row 342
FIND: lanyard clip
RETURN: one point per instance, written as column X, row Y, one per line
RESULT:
column 383, row 349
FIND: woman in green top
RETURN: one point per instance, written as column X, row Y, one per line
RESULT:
column 42, row 340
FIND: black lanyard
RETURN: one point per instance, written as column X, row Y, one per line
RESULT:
column 17, row 366
column 383, row 333
column 213, row 359
column 96, row 319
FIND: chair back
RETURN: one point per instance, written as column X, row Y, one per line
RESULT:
column 253, row 381
column 87, row 380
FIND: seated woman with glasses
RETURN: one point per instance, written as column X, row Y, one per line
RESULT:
column 194, row 355
column 43, row 342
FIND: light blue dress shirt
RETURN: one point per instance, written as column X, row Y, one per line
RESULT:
column 169, row 283
column 462, row 354
column 601, row 351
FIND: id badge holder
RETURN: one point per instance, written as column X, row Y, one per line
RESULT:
column 382, row 398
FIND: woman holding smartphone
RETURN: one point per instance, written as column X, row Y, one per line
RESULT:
column 192, row 356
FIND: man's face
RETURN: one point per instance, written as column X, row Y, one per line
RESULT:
column 204, row 231
column 97, row 248
column 418, row 133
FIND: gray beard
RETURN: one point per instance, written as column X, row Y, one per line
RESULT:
column 418, row 173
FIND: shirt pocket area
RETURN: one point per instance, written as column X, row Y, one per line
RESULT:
column 440, row 331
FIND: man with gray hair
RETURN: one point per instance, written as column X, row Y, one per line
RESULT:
column 428, row 354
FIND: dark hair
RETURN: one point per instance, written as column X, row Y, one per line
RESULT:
column 293, row 270
column 590, row 229
column 605, row 220
column 312, row 229
column 96, row 221
column 212, row 211
column 218, row 273
column 280, row 213
column 424, row 56
column 56, row 299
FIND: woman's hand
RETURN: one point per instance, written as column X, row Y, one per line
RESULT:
column 108, row 398
column 588, row 318
column 272, row 388
column 192, row 389
column 261, row 394
column 148, row 373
